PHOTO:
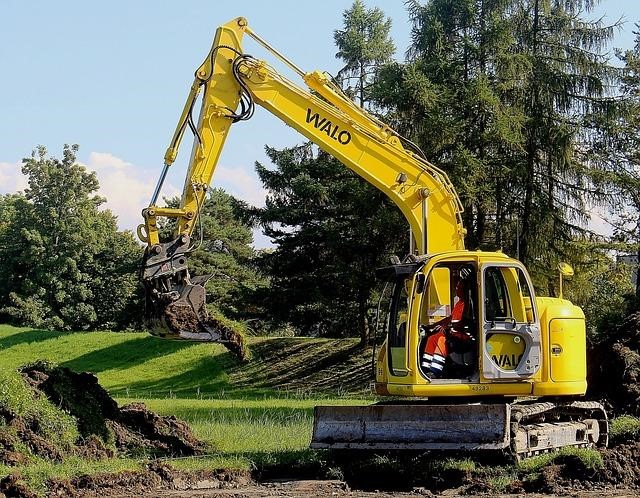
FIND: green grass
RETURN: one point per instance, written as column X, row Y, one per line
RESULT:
column 254, row 414
column 244, row 427
column 624, row 428
column 591, row 459
column 137, row 365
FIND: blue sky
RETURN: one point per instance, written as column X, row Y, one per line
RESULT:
column 112, row 77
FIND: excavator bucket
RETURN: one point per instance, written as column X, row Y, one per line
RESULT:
column 412, row 427
column 176, row 303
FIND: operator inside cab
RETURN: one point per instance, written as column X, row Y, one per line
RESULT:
column 449, row 333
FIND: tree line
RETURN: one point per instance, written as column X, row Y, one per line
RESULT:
column 521, row 102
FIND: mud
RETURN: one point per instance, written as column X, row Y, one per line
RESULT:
column 80, row 394
column 138, row 428
column 160, row 480
column 181, row 317
column 12, row 486
column 614, row 368
column 155, row 478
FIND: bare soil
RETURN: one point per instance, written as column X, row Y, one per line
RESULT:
column 163, row 481
column 614, row 368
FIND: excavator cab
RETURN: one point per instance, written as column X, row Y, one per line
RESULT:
column 458, row 320
column 449, row 312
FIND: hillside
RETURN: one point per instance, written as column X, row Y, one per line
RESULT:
column 248, row 420
column 138, row 365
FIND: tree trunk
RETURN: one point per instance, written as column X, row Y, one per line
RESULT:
column 363, row 322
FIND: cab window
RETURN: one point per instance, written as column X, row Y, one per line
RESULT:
column 507, row 295
column 397, row 328
column 496, row 298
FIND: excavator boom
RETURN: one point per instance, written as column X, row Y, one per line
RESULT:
column 231, row 84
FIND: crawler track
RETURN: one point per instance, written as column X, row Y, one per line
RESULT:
column 539, row 427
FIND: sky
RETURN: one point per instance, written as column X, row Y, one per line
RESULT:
column 113, row 76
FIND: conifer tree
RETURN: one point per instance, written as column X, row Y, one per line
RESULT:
column 565, row 94
column 363, row 45
column 508, row 96
column 331, row 230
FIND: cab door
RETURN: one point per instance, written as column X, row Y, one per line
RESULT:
column 398, row 328
column 510, row 339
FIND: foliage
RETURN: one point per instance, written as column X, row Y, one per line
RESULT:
column 507, row 97
column 621, row 153
column 566, row 99
column 600, row 286
column 65, row 264
column 363, row 44
column 322, row 270
column 447, row 98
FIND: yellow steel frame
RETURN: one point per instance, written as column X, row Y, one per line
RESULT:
column 324, row 115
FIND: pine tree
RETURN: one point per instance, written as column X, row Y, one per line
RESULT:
column 331, row 230
column 565, row 93
column 620, row 147
column 508, row 96
column 448, row 97
column 363, row 44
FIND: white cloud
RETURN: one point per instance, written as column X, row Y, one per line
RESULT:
column 11, row 178
column 126, row 187
column 240, row 183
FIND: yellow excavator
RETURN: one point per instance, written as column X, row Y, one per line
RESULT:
column 506, row 371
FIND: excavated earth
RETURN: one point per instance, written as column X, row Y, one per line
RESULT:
column 183, row 317
column 614, row 368
column 106, row 429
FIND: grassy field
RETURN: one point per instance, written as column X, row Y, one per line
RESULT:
column 252, row 413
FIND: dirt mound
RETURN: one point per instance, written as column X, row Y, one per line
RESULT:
column 622, row 465
column 105, row 429
column 15, row 433
column 11, row 486
column 133, row 428
column 155, row 477
column 138, row 428
column 614, row 368
column 621, row 470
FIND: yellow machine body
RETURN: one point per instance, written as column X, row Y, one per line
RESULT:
column 555, row 329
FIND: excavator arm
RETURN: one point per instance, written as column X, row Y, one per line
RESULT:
column 232, row 83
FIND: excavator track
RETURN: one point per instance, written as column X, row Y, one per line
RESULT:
column 540, row 427
column 520, row 429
